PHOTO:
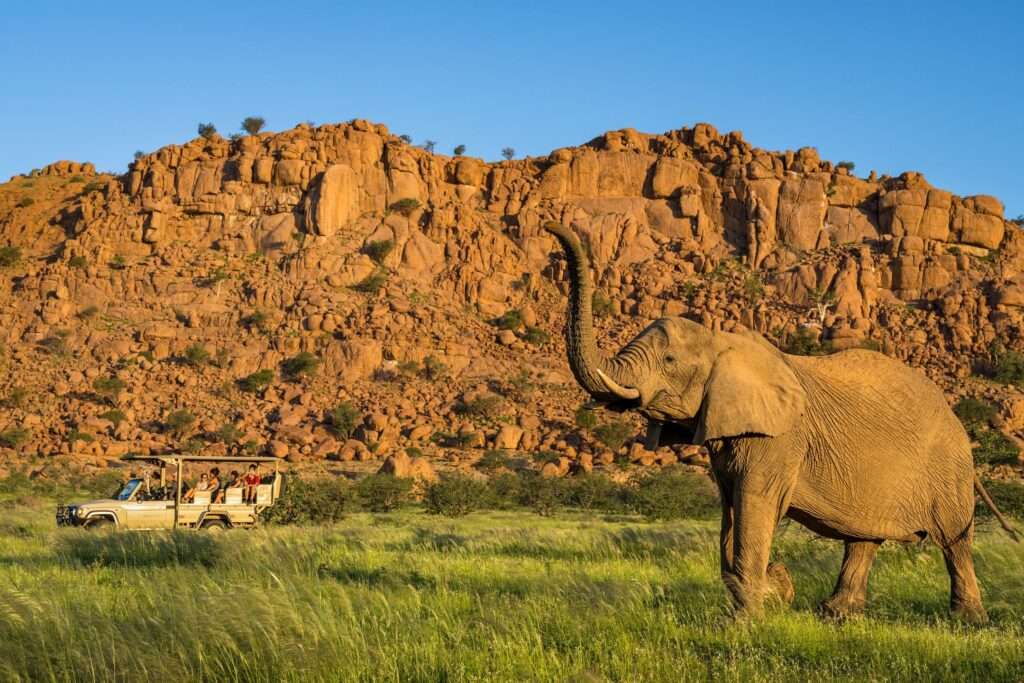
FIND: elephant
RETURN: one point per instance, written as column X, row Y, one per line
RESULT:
column 855, row 446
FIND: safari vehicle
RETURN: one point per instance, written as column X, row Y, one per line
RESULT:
column 147, row 504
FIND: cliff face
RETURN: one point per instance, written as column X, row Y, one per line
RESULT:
column 256, row 249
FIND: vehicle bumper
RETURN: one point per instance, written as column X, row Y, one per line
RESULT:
column 66, row 516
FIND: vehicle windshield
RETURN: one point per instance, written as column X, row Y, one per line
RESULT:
column 129, row 489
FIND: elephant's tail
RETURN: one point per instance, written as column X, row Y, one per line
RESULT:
column 995, row 511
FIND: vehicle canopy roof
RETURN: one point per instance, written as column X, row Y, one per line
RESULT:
column 184, row 457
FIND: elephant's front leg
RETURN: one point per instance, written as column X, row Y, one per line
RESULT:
column 756, row 512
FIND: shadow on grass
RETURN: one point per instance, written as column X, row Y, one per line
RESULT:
column 377, row 577
column 120, row 549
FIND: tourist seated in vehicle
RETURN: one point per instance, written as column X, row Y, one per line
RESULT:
column 234, row 480
column 251, row 480
column 202, row 486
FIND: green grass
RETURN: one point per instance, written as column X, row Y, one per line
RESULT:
column 497, row 596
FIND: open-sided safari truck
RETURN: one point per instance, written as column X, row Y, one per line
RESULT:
column 147, row 504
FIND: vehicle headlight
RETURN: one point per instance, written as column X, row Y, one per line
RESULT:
column 77, row 512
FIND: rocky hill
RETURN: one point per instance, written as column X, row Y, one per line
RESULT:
column 418, row 291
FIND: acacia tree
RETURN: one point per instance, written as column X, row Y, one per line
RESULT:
column 429, row 145
column 253, row 124
column 459, row 150
column 207, row 130
column 508, row 153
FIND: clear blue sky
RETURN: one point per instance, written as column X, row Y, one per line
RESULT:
column 935, row 87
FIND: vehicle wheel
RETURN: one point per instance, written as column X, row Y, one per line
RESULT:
column 214, row 525
column 99, row 524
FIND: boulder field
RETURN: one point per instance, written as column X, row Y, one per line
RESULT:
column 419, row 292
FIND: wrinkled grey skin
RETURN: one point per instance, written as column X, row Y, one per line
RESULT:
column 855, row 446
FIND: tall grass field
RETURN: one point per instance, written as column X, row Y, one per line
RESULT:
column 494, row 596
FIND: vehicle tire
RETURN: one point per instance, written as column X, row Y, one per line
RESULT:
column 100, row 524
column 214, row 526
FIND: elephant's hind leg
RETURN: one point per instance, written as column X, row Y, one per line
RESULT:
column 965, row 597
column 851, row 589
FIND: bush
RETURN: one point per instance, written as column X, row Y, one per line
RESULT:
column 511, row 319
column 545, row 457
column 114, row 415
column 378, row 250
column 196, row 355
column 434, row 369
column 56, row 343
column 848, row 165
column 253, row 124
column 459, row 150
column 544, row 495
column 455, row 495
column 383, row 492
column 482, row 406
column 600, row 305
column 407, row 139
column 408, row 367
column 974, row 412
column 405, row 206
column 257, row 381
column 78, row 262
column 88, row 312
column 206, row 130
column 343, row 419
column 320, row 501
column 492, row 460
column 536, row 336
column 507, row 490
column 597, row 492
column 179, row 422
column 508, row 153
column 256, row 319
column 118, row 262
column 675, row 493
column 993, row 447
column 613, row 434
column 1008, row 497
column 372, row 283
column 300, row 366
column 1007, row 366
column 17, row 397
column 94, row 186
column 108, row 388
column 25, row 202
column 75, row 435
column 803, row 343
column 586, row 418
column 228, row 433
column 9, row 256
column 12, row 437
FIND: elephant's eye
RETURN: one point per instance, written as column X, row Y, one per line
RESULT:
column 670, row 359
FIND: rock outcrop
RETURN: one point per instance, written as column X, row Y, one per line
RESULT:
column 388, row 264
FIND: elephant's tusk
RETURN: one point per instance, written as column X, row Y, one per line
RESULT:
column 625, row 393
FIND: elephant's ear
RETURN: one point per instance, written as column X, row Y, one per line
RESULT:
column 751, row 390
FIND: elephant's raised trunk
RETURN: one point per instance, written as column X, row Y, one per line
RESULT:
column 603, row 379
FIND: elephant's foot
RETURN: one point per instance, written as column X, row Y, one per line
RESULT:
column 781, row 582
column 841, row 606
column 969, row 612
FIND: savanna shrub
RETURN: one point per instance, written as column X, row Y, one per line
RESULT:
column 257, row 381
column 511, row 319
column 196, row 355
column 383, row 492
column 343, row 419
column 455, row 495
column 597, row 492
column 993, row 447
column 9, row 256
column 372, row 283
column 405, row 206
column 544, row 495
column 1008, row 497
column 318, row 501
column 675, row 493
column 493, row 460
column 974, row 411
column 613, row 434
column 378, row 250
column 301, row 365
